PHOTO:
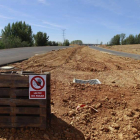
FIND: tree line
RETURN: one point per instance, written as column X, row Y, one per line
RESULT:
column 20, row 34
column 79, row 42
column 121, row 39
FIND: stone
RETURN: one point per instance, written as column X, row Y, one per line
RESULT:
column 120, row 136
column 93, row 128
column 87, row 137
column 113, row 113
column 98, row 105
column 105, row 120
column 137, row 109
column 134, row 130
column 116, row 126
column 137, row 115
column 105, row 129
column 129, row 113
column 71, row 113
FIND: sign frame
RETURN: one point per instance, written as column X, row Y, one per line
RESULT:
column 38, row 90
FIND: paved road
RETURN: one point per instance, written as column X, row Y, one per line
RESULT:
column 135, row 56
column 17, row 54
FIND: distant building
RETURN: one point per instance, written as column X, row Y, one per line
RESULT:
column 0, row 37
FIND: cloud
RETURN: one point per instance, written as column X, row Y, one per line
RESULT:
column 38, row 25
column 102, row 21
column 5, row 17
column 110, row 5
column 43, row 2
column 10, row 10
column 111, row 25
column 52, row 24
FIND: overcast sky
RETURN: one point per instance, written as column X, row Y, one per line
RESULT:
column 91, row 21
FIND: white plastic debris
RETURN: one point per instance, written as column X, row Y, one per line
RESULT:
column 91, row 81
column 6, row 67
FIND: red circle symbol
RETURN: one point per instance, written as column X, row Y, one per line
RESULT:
column 37, row 83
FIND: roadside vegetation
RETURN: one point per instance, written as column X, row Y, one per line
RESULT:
column 120, row 42
column 121, row 39
column 20, row 34
column 78, row 42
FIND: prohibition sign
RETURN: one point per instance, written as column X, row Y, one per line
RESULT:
column 33, row 79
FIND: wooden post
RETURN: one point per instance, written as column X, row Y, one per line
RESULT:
column 48, row 105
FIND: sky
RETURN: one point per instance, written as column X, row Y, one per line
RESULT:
column 92, row 21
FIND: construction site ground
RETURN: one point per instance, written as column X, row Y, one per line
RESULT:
column 111, row 111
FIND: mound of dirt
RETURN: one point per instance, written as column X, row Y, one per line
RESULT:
column 85, row 63
column 79, row 59
column 93, row 112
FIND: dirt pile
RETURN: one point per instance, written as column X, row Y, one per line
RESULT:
column 109, row 111
column 79, row 59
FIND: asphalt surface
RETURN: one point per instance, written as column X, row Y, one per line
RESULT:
column 134, row 56
column 8, row 56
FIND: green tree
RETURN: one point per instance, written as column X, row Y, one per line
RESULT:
column 13, row 42
column 101, row 43
column 66, row 43
column 79, row 42
column 49, row 43
column 115, row 40
column 138, row 38
column 60, row 44
column 54, row 43
column 124, row 42
column 130, row 39
column 122, row 37
column 19, row 32
column 41, row 39
column 1, row 45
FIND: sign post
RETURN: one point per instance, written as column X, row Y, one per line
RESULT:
column 37, row 86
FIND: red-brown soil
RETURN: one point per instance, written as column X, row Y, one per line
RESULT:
column 112, row 109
